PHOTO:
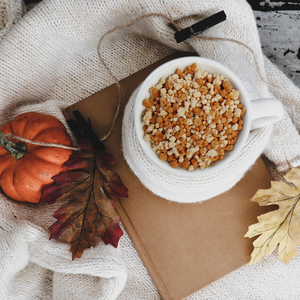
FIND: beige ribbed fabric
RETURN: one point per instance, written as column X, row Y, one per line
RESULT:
column 48, row 61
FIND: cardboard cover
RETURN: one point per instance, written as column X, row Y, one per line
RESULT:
column 183, row 246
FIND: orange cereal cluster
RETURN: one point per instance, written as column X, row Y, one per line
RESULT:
column 192, row 118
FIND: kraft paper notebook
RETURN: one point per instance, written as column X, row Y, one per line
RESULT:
column 183, row 246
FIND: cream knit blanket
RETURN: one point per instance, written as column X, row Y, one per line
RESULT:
column 48, row 61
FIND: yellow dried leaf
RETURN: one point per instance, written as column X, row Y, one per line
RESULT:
column 279, row 227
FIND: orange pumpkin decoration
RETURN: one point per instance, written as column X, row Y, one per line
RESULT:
column 26, row 168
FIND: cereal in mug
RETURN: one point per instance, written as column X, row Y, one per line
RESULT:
column 192, row 118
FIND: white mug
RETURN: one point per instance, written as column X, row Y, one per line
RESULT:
column 259, row 113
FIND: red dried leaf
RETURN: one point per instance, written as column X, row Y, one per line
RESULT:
column 112, row 235
column 108, row 158
column 89, row 214
column 116, row 187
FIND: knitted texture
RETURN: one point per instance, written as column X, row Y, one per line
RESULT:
column 10, row 12
column 32, row 267
column 49, row 61
column 248, row 67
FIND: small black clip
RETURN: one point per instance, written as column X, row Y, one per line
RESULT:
column 83, row 128
column 211, row 21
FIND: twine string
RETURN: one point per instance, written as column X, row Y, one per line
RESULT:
column 244, row 45
column 105, row 136
column 113, row 123
column 177, row 27
column 40, row 143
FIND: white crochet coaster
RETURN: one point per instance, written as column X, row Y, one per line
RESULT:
column 184, row 188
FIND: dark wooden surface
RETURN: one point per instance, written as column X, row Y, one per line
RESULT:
column 278, row 24
column 273, row 5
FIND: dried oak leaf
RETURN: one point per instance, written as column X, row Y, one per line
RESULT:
column 279, row 227
column 88, row 214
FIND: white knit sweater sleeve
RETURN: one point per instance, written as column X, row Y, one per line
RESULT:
column 283, row 147
column 34, row 267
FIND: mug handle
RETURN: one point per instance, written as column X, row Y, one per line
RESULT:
column 265, row 112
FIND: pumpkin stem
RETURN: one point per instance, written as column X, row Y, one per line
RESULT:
column 17, row 150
